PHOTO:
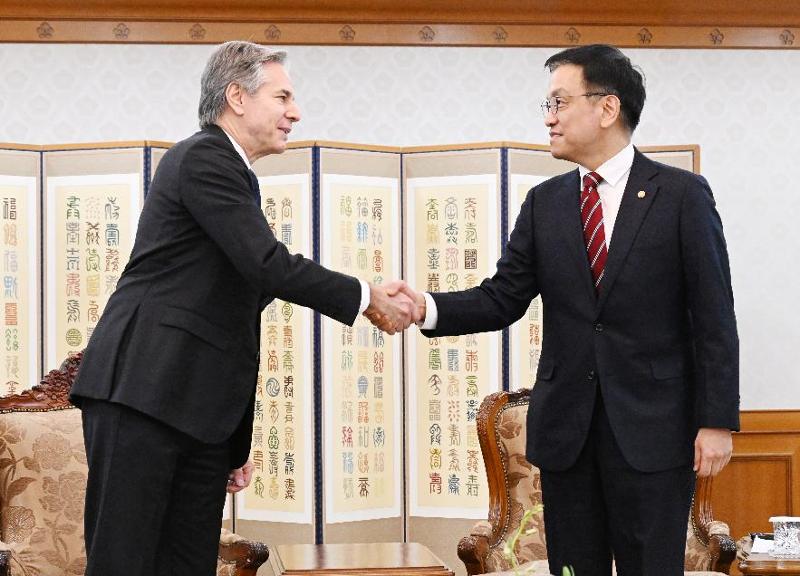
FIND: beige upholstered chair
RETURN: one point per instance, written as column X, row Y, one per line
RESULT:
column 514, row 487
column 43, row 483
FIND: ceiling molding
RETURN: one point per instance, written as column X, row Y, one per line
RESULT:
column 659, row 24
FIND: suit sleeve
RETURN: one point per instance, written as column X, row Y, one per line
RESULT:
column 707, row 282
column 501, row 300
column 216, row 191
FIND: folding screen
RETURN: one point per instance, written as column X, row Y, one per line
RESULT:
column 361, row 368
column 278, row 505
column 154, row 152
column 20, row 170
column 452, row 217
column 528, row 166
column 92, row 197
column 684, row 157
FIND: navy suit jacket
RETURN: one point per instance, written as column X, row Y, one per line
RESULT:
column 660, row 340
column 179, row 338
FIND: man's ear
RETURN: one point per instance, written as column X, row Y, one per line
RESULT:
column 611, row 110
column 234, row 97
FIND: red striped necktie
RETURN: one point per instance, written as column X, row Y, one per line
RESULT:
column 594, row 234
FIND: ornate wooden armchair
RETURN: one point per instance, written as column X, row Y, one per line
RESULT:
column 514, row 487
column 43, row 483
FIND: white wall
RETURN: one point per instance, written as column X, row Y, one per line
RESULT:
column 740, row 106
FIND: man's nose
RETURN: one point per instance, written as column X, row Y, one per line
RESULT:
column 293, row 112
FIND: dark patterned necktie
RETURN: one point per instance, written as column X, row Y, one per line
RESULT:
column 594, row 234
column 254, row 186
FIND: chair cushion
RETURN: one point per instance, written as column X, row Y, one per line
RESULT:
column 42, row 489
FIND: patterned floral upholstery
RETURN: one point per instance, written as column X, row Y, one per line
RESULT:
column 539, row 568
column 514, row 487
column 524, row 489
column 43, row 484
column 42, row 487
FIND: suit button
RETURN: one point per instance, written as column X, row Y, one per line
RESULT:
column 598, row 327
column 591, row 375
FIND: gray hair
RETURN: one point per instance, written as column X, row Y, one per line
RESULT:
column 236, row 61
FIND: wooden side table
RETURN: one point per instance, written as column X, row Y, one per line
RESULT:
column 389, row 559
column 766, row 565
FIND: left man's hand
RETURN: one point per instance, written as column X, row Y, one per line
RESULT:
column 390, row 309
column 712, row 450
column 239, row 479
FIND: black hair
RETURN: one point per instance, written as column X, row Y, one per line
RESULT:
column 607, row 69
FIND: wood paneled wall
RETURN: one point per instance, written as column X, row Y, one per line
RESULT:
column 655, row 24
column 763, row 477
column 660, row 12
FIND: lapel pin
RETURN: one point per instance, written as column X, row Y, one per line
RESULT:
column 642, row 194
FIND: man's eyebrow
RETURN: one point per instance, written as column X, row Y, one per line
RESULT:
column 285, row 92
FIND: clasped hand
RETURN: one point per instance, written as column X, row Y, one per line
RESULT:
column 393, row 307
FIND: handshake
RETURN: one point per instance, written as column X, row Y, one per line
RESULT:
column 393, row 307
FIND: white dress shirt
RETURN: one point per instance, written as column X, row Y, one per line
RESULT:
column 615, row 173
column 364, row 286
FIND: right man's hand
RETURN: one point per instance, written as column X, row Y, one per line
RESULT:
column 419, row 301
column 712, row 450
column 390, row 308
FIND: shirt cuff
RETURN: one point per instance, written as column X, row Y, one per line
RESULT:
column 364, row 297
column 431, row 313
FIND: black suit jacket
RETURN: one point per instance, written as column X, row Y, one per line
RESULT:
column 660, row 341
column 179, row 338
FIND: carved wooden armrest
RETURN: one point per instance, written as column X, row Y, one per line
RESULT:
column 721, row 546
column 246, row 555
column 743, row 547
column 5, row 562
column 51, row 393
column 482, row 528
column 473, row 549
column 713, row 533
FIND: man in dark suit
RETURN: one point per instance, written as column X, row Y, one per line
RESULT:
column 637, row 386
column 167, row 382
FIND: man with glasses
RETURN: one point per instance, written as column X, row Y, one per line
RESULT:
column 637, row 386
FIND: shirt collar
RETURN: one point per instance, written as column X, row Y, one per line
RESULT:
column 613, row 169
column 238, row 148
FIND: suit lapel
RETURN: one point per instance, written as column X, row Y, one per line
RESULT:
column 632, row 211
column 573, row 229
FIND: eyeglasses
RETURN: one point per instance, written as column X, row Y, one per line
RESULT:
column 555, row 103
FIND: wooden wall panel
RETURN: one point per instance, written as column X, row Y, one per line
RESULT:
column 669, row 12
column 751, row 511
column 763, row 477
column 658, row 23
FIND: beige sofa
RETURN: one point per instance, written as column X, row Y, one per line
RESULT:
column 43, row 483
